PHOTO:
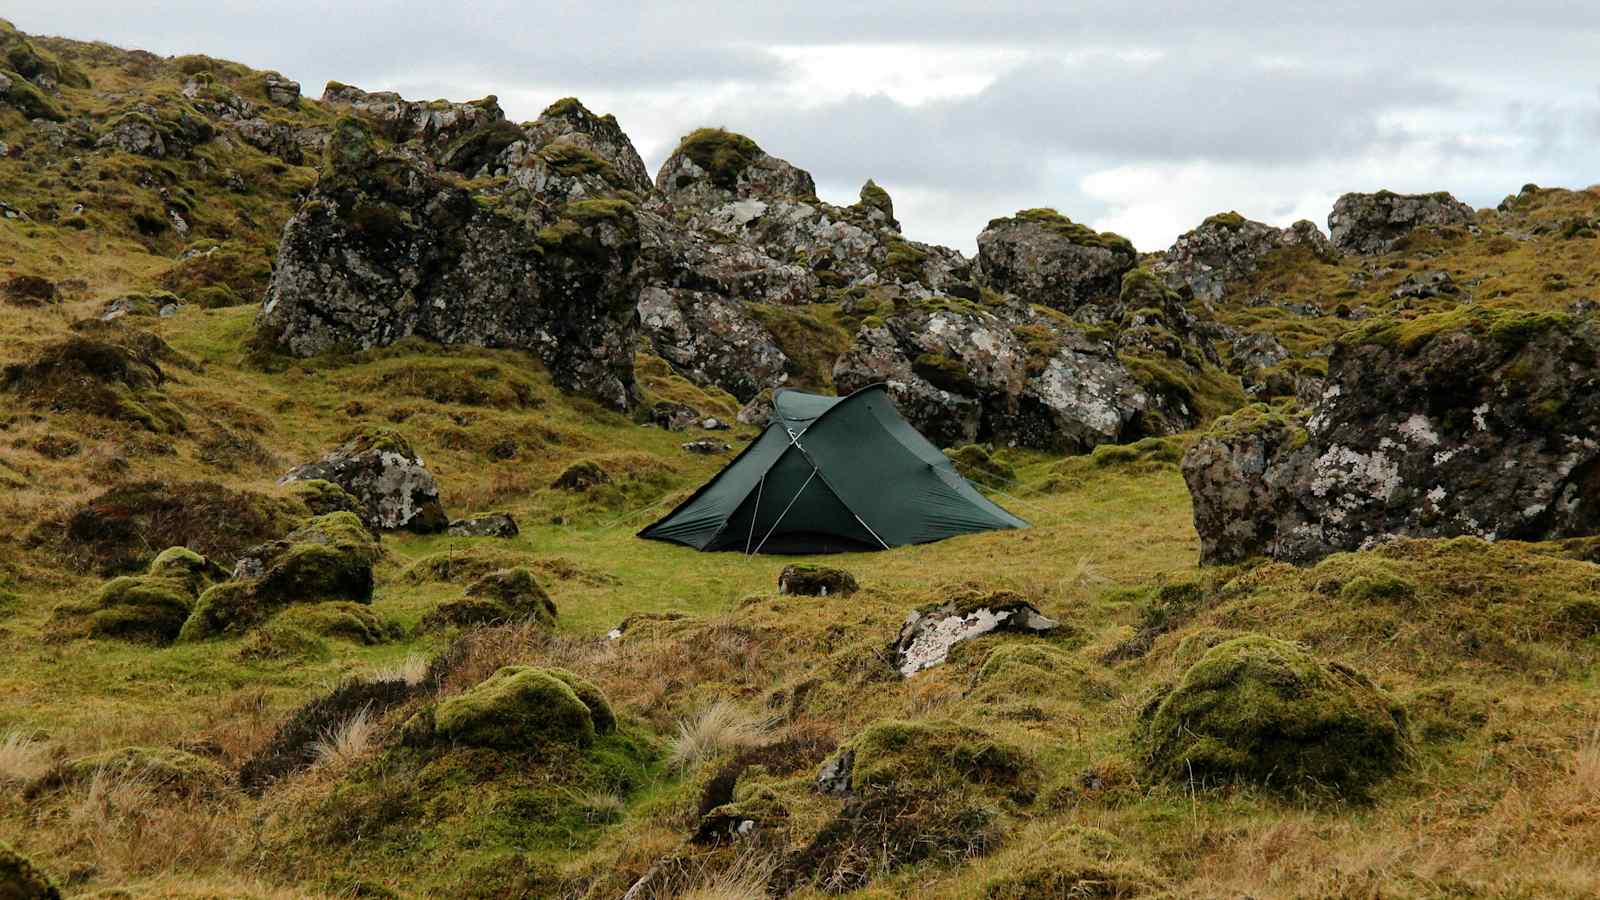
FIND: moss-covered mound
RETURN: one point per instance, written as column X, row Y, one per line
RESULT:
column 1263, row 710
column 99, row 377
column 148, row 607
column 924, row 754
column 722, row 153
column 354, row 622
column 323, row 497
column 328, row 558
column 20, row 879
column 1073, row 862
column 1028, row 669
column 164, row 769
column 508, row 595
column 517, row 708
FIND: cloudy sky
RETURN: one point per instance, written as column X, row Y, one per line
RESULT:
column 1141, row 117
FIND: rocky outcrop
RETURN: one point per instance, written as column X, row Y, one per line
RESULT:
column 959, row 373
column 931, row 630
column 440, row 127
column 386, row 477
column 1473, row 422
column 571, row 123
column 1043, row 257
column 1374, row 223
column 712, row 339
column 1228, row 247
column 387, row 248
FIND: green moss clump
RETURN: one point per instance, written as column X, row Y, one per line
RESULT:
column 1034, row 669
column 29, row 100
column 574, row 161
column 1512, row 329
column 323, row 497
column 1082, row 235
column 184, row 564
column 352, row 148
column 723, row 154
column 1377, row 587
column 1258, row 418
column 516, row 708
column 149, row 607
column 20, row 879
column 277, row 642
column 1230, row 220
column 563, row 108
column 945, row 373
column 1263, row 710
column 354, row 622
column 29, row 61
column 924, row 754
column 605, row 721
column 1075, row 861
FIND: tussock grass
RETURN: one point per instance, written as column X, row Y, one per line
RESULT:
column 22, row 757
column 718, row 728
column 348, row 742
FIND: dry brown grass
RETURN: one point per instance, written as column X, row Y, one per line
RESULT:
column 348, row 742
column 22, row 757
column 718, row 728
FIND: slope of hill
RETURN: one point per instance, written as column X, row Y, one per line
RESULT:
column 314, row 704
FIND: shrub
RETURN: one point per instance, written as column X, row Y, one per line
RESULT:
column 719, row 727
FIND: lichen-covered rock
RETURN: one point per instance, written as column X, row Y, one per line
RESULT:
column 1228, row 247
column 816, row 581
column 570, row 122
column 379, row 469
column 516, row 708
column 711, row 339
column 543, row 259
column 1263, row 710
column 20, row 879
column 1473, row 422
column 437, row 125
column 1016, row 376
column 712, row 166
column 706, row 446
column 931, row 630
column 328, row 558
column 1374, row 223
column 509, row 595
column 1044, row 257
column 500, row 525
column 280, row 91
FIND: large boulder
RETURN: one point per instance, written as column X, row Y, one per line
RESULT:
column 1374, row 223
column 379, row 469
column 1228, row 247
column 711, row 167
column 387, row 247
column 1043, row 257
column 712, row 339
column 1265, row 711
column 1477, row 422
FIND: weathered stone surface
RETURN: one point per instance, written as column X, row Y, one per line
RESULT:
column 1373, row 223
column 1043, row 257
column 1473, row 422
column 437, row 124
column 386, row 248
column 379, row 468
column 1228, row 247
column 930, row 631
column 706, row 446
column 500, row 525
column 570, row 122
column 960, row 373
column 280, row 91
column 711, row 339
column 816, row 581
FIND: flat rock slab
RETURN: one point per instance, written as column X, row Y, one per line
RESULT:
column 930, row 631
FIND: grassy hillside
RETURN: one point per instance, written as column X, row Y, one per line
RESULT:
column 1022, row 767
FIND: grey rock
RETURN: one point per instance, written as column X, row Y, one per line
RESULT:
column 379, row 469
column 1227, row 248
column 1374, row 223
column 930, row 631
column 498, row 525
column 706, row 446
column 1422, row 285
column 1461, row 433
column 712, row 339
column 835, row 775
column 1043, row 257
column 281, row 91
column 673, row 416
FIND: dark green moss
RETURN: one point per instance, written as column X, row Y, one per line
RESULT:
column 1230, row 220
column 1060, row 225
column 723, row 154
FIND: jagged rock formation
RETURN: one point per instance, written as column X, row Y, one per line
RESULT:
column 1044, row 257
column 388, row 247
column 1369, row 224
column 1227, row 247
column 1473, row 422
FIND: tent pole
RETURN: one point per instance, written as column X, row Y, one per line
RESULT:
column 760, row 485
column 786, row 509
column 867, row 527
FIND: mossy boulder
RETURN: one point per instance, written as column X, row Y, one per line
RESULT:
column 328, row 558
column 1047, row 258
column 390, row 483
column 816, row 581
column 1075, row 861
column 20, row 879
column 1262, row 710
column 505, row 596
column 149, row 607
column 167, row 770
column 516, row 708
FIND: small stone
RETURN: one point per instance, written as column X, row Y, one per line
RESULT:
column 500, row 525
column 707, row 446
column 930, row 631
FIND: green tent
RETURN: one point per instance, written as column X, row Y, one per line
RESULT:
column 830, row 475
